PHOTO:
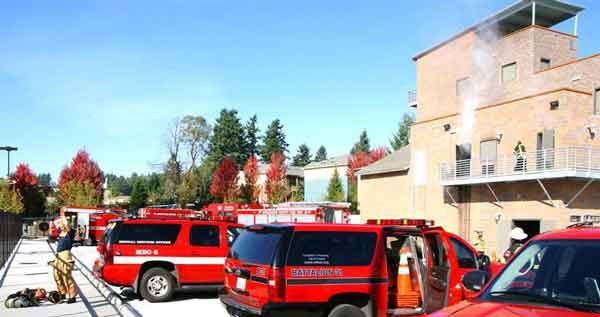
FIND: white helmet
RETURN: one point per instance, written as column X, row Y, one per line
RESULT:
column 518, row 234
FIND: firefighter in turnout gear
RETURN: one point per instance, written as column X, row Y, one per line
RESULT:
column 63, row 264
column 521, row 157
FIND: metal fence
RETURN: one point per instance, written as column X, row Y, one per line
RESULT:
column 10, row 233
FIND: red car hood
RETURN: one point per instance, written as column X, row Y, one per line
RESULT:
column 493, row 309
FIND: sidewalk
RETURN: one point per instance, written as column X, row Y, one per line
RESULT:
column 29, row 269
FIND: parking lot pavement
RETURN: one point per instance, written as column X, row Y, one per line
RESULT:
column 184, row 303
column 29, row 269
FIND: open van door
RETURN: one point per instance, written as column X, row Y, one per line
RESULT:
column 438, row 275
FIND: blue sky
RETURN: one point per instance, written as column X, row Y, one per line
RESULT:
column 109, row 76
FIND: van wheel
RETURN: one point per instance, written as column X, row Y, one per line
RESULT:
column 157, row 285
column 346, row 310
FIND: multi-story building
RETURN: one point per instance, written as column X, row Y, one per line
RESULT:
column 507, row 127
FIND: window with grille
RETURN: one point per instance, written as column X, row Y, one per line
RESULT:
column 597, row 101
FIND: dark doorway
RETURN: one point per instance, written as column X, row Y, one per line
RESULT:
column 531, row 227
column 463, row 157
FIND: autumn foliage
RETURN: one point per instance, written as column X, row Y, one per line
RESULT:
column 276, row 185
column 250, row 190
column 26, row 184
column 361, row 159
column 224, row 183
column 82, row 176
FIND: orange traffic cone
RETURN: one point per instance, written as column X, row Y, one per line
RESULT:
column 406, row 295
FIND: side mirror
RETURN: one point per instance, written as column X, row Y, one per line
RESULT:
column 475, row 280
column 484, row 262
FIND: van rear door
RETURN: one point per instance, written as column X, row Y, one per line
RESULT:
column 253, row 267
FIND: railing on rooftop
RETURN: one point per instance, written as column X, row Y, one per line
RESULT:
column 549, row 163
column 412, row 98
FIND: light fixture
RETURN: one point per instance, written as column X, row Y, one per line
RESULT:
column 447, row 127
column 554, row 105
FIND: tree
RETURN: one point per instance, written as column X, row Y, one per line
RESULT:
column 335, row 189
column 82, row 194
column 276, row 186
column 139, row 195
column 251, row 132
column 302, row 157
column 194, row 134
column 227, row 139
column 82, row 175
column 224, row 183
column 10, row 199
column 273, row 141
column 362, row 144
column 250, row 190
column 321, row 154
column 402, row 136
column 173, row 172
column 26, row 183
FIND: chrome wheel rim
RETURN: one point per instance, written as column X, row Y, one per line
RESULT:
column 157, row 286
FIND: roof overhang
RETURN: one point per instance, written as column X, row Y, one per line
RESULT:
column 548, row 13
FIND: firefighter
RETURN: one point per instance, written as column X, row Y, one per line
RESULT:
column 479, row 243
column 517, row 237
column 63, row 264
column 521, row 156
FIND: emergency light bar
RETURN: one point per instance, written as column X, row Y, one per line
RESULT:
column 402, row 222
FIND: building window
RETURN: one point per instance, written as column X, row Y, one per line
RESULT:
column 462, row 87
column 488, row 152
column 545, row 63
column 509, row 72
column 597, row 101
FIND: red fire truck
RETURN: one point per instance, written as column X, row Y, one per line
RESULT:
column 300, row 212
column 99, row 221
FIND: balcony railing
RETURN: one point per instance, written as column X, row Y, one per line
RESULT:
column 583, row 162
column 412, row 98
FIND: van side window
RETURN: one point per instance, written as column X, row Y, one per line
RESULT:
column 158, row 234
column 439, row 254
column 332, row 248
column 204, row 236
column 466, row 258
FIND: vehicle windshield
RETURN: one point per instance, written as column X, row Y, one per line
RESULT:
column 562, row 273
column 256, row 247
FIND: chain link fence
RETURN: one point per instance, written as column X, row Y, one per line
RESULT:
column 10, row 233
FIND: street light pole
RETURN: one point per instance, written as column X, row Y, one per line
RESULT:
column 8, row 149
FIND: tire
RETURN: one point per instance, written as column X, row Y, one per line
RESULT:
column 157, row 285
column 346, row 310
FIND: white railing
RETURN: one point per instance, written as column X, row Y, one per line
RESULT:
column 548, row 163
column 412, row 98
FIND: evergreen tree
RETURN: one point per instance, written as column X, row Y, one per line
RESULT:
column 273, row 141
column 335, row 190
column 321, row 154
column 139, row 195
column 402, row 136
column 362, row 145
column 251, row 132
column 302, row 157
column 227, row 139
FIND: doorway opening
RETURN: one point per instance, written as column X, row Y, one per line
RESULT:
column 531, row 227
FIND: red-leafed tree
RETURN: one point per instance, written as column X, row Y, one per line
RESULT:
column 250, row 190
column 26, row 183
column 81, row 177
column 276, row 185
column 361, row 159
column 224, row 184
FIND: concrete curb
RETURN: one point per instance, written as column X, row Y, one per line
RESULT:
column 107, row 292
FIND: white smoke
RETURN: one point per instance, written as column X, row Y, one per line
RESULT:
column 484, row 75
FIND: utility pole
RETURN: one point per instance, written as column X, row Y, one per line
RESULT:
column 8, row 149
